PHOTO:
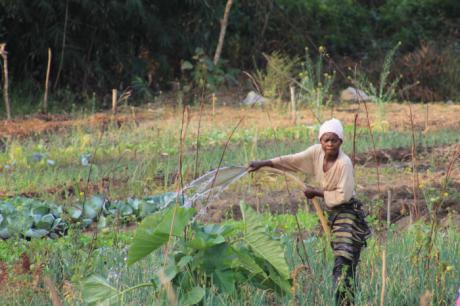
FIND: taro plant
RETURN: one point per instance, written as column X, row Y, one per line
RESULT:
column 202, row 256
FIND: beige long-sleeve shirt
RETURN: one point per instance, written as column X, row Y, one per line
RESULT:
column 337, row 183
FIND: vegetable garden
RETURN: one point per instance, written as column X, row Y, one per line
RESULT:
column 93, row 213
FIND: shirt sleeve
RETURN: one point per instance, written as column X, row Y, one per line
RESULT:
column 299, row 162
column 345, row 187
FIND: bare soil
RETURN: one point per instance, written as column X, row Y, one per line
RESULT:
column 427, row 117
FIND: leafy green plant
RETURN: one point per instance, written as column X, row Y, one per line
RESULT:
column 274, row 81
column 386, row 90
column 142, row 89
column 30, row 218
column 205, row 74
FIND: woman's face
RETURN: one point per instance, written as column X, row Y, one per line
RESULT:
column 330, row 143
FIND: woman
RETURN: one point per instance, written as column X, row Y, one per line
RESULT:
column 333, row 169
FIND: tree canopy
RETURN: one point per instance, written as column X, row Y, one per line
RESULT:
column 108, row 43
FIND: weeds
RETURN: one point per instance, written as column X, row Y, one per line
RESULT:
column 316, row 84
column 274, row 81
column 385, row 91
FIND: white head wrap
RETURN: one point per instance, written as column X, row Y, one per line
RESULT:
column 331, row 126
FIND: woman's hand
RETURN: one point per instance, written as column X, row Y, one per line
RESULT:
column 310, row 193
column 257, row 164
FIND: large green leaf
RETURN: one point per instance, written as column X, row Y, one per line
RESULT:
column 38, row 210
column 154, row 231
column 74, row 212
column 225, row 280
column 93, row 206
column 202, row 241
column 261, row 243
column 45, row 222
column 36, row 233
column 194, row 296
column 279, row 280
column 97, row 291
column 247, row 262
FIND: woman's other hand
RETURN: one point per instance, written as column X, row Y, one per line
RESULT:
column 310, row 192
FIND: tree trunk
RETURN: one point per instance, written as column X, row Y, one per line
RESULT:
column 223, row 28
column 6, row 97
column 64, row 36
column 47, row 80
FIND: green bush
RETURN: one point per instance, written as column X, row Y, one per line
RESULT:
column 279, row 72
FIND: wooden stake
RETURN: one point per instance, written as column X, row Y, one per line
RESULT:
column 415, row 181
column 426, row 118
column 384, row 276
column 195, row 174
column 354, row 140
column 6, row 97
column 388, row 208
column 223, row 28
column 213, row 105
column 47, row 79
column 114, row 101
column 293, row 108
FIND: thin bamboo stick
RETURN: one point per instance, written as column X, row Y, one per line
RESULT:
column 293, row 106
column 213, row 105
column 384, row 277
column 388, row 208
column 353, row 159
column 415, row 181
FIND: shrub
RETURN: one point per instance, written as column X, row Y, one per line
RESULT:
column 274, row 81
column 315, row 84
column 431, row 73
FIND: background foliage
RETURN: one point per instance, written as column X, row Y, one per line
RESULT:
column 98, row 45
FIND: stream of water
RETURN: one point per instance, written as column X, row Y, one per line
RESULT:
column 211, row 184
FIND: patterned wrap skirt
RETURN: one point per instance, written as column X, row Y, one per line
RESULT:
column 349, row 230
